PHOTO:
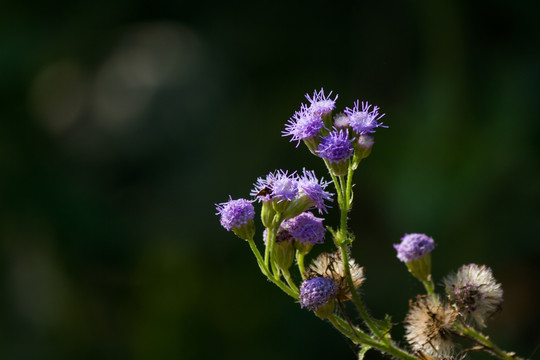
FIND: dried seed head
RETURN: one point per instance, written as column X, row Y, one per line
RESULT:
column 428, row 327
column 331, row 265
column 474, row 292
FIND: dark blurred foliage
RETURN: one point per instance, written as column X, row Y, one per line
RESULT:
column 122, row 123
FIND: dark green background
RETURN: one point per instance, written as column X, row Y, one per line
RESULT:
column 122, row 123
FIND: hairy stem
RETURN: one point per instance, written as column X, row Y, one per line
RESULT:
column 484, row 341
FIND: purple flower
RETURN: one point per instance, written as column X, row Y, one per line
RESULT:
column 321, row 104
column 364, row 121
column 336, row 147
column 278, row 185
column 285, row 186
column 235, row 213
column 306, row 228
column 317, row 292
column 414, row 246
column 309, row 185
column 303, row 125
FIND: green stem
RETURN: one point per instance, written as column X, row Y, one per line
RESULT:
column 335, row 181
column 428, row 284
column 271, row 240
column 290, row 282
column 257, row 254
column 356, row 299
column 292, row 291
column 267, row 249
column 483, row 340
column 359, row 337
column 348, row 191
column 344, row 205
column 284, row 287
column 352, row 330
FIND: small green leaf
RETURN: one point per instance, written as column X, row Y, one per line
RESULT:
column 384, row 325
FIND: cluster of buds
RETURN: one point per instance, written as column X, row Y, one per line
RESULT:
column 287, row 201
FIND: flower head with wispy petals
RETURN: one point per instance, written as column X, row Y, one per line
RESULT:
column 276, row 186
column 414, row 246
column 303, row 125
column 306, row 228
column 317, row 292
column 475, row 292
column 313, row 188
column 364, row 120
column 321, row 104
column 336, row 147
column 235, row 213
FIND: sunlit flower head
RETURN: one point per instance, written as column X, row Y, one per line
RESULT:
column 321, row 104
column 364, row 120
column 313, row 188
column 303, row 125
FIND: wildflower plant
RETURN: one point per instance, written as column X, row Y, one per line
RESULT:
column 438, row 326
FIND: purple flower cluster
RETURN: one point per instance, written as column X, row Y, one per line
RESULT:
column 364, row 121
column 235, row 213
column 413, row 247
column 281, row 186
column 334, row 144
column 317, row 292
column 336, row 147
column 307, row 123
column 306, row 228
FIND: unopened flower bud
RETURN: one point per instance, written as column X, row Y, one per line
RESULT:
column 317, row 292
column 362, row 148
column 267, row 214
column 414, row 250
column 283, row 253
column 341, row 121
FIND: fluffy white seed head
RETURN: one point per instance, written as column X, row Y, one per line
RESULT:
column 474, row 292
column 428, row 327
